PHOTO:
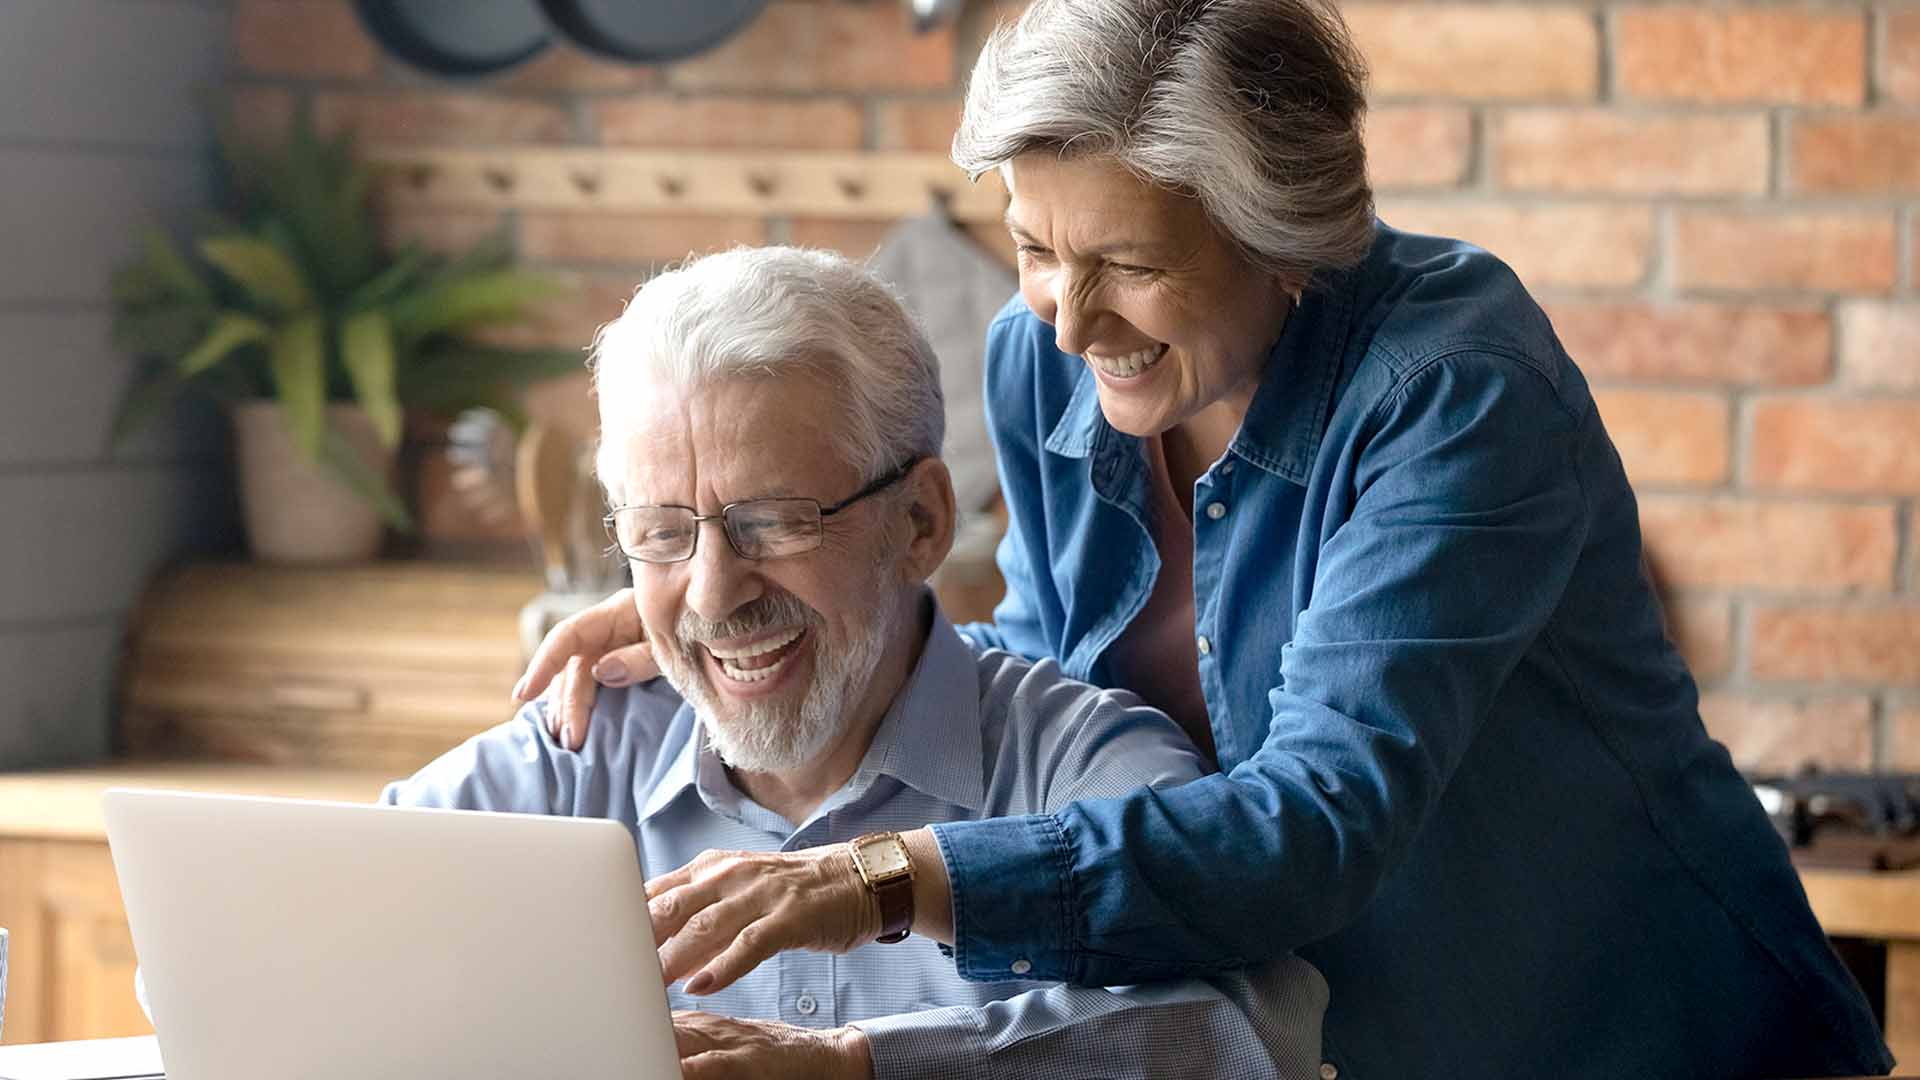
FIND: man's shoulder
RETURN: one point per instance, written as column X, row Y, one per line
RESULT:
column 1047, row 738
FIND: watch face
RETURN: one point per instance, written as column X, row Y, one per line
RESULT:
column 884, row 857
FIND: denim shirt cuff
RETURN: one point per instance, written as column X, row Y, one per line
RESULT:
column 1012, row 898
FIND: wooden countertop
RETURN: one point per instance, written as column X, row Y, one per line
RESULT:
column 65, row 803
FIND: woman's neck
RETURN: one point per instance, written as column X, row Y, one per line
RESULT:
column 1192, row 446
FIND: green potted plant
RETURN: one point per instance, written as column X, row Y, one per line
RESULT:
column 317, row 338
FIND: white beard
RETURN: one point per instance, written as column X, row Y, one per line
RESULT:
column 769, row 736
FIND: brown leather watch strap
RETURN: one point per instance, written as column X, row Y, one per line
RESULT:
column 896, row 909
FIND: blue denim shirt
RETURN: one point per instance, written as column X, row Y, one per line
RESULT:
column 1465, row 775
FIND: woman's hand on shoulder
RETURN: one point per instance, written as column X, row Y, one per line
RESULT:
column 600, row 646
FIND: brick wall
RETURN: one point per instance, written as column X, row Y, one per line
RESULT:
column 1716, row 202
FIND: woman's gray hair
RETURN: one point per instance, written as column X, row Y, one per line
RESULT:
column 759, row 312
column 1254, row 107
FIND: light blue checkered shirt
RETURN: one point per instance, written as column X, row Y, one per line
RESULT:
column 976, row 733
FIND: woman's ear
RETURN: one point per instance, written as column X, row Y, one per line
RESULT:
column 931, row 516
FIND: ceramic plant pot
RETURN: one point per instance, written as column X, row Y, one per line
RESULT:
column 295, row 510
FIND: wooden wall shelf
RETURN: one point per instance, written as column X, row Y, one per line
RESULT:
column 869, row 186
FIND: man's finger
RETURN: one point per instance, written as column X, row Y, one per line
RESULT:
column 665, row 883
column 754, row 945
column 705, row 935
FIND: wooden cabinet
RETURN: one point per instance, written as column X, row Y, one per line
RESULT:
column 70, row 957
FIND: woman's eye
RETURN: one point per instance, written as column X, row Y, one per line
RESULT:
column 1131, row 270
column 1032, row 251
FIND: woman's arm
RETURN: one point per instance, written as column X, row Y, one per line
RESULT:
column 1468, row 520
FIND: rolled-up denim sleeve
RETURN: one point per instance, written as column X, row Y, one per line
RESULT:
column 1260, row 1025
column 1467, row 516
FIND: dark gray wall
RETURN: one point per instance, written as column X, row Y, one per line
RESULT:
column 103, row 130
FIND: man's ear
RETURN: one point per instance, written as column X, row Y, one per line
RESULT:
column 931, row 517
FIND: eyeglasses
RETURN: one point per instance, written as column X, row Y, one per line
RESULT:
column 757, row 528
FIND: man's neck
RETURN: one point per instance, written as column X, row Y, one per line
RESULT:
column 796, row 795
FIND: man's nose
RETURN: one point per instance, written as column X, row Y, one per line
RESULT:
column 719, row 579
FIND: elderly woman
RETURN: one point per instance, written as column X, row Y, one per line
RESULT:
column 1334, row 497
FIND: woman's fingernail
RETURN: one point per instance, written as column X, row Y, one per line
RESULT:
column 520, row 689
column 700, row 983
column 610, row 672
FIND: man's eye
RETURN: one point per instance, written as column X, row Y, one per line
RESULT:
column 663, row 534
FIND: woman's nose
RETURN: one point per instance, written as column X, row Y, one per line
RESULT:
column 1071, row 314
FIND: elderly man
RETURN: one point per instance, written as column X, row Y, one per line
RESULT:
column 819, row 697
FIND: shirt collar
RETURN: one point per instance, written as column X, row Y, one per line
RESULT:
column 929, row 739
column 1288, row 416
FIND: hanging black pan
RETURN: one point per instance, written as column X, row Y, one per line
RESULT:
column 458, row 37
column 650, row 31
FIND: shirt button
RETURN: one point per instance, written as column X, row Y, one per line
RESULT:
column 1203, row 644
column 1226, row 468
column 806, row 1004
column 1021, row 967
column 1216, row 511
column 1327, row 1071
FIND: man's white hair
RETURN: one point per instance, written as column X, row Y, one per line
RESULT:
column 763, row 312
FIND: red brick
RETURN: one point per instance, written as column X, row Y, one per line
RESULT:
column 1817, row 444
column 1838, row 250
column 1863, row 154
column 1878, row 643
column 1668, row 437
column 316, row 39
column 1602, row 246
column 1900, row 56
column 1913, row 548
column 1696, row 342
column 812, row 47
column 1788, row 55
column 1903, row 737
column 569, row 318
column 632, row 238
column 1880, row 345
column 564, row 68
column 1419, row 146
column 1732, row 543
column 1489, row 51
column 729, row 123
column 429, row 116
column 1702, row 629
column 1784, row 736
column 567, row 403
column 1608, row 152
column 916, row 124
column 854, row 239
column 446, row 231
column 259, row 113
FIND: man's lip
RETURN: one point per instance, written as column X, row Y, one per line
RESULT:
column 737, row 644
column 725, row 684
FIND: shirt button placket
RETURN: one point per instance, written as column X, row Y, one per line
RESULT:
column 1328, row 1071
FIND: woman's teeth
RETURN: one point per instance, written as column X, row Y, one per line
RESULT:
column 756, row 662
column 1126, row 367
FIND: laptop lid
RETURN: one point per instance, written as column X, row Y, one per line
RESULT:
column 301, row 939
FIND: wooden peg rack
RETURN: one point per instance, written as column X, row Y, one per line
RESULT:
column 873, row 186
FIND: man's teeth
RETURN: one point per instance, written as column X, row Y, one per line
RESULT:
column 1125, row 367
column 733, row 662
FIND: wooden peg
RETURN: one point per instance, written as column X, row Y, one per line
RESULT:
column 672, row 186
column 500, row 180
column 761, row 184
column 852, row 187
column 419, row 176
column 588, row 183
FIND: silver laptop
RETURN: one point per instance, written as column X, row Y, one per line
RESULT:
column 298, row 939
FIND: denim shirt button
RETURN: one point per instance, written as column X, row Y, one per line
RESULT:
column 1327, row 1071
column 1216, row 511
column 1203, row 644
column 1021, row 967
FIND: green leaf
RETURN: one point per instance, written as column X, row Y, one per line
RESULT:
column 269, row 276
column 166, row 329
column 147, row 396
column 366, row 348
column 454, row 364
column 461, row 303
column 299, row 355
column 171, row 269
column 339, row 454
column 405, row 272
column 230, row 331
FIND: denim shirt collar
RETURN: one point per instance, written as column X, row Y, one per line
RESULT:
column 1288, row 416
column 929, row 739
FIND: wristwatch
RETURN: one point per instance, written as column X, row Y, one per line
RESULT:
column 887, row 870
